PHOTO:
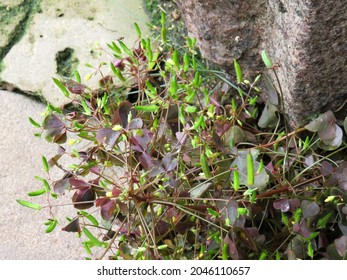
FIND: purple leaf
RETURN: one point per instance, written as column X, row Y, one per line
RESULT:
column 142, row 138
column 79, row 184
column 282, row 204
column 83, row 195
column 107, row 210
column 107, row 136
column 136, row 123
column 121, row 114
column 61, row 185
column 75, row 87
column 341, row 245
column 326, row 168
column 161, row 228
column 146, row 161
column 309, row 209
column 341, row 175
column 233, row 253
column 169, row 163
column 294, row 204
column 55, row 129
column 73, row 226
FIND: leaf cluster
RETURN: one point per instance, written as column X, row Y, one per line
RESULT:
column 174, row 161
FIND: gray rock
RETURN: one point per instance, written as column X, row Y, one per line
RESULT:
column 61, row 37
column 307, row 39
column 22, row 230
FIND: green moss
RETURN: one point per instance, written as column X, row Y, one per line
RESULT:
column 67, row 62
column 28, row 8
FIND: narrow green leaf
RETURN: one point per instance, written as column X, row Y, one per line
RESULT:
column 161, row 247
column 89, row 217
column 51, row 225
column 212, row 212
column 163, row 18
column 284, row 218
column 225, row 251
column 260, row 167
column 263, row 255
column 77, row 77
column 310, row 251
column 322, row 222
column 186, row 62
column 138, row 30
column 173, row 86
column 29, row 204
column 148, row 108
column 117, row 73
column 204, row 165
column 163, row 34
column 60, row 85
column 242, row 211
column 238, row 71
column 266, row 59
column 92, row 238
column 196, row 80
column 45, row 164
column 236, row 184
column 176, row 59
column 34, row 123
column 86, row 108
column 46, row 185
column 250, row 170
column 38, row 192
column 125, row 48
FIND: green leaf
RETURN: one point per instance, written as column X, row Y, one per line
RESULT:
column 236, row 183
column 60, row 85
column 89, row 217
column 125, row 48
column 250, row 170
column 77, row 76
column 176, row 59
column 242, row 211
column 310, row 251
column 225, row 251
column 29, row 204
column 86, row 108
column 138, row 30
column 266, row 59
column 92, row 238
column 212, row 212
column 45, row 164
column 322, row 222
column 238, row 72
column 148, row 108
column 186, row 62
column 204, row 165
column 263, row 255
column 345, row 125
column 117, row 73
column 34, row 123
column 51, row 225
column 38, row 192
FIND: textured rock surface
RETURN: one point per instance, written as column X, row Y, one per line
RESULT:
column 69, row 30
column 22, row 230
column 307, row 39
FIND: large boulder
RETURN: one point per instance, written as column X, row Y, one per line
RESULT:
column 307, row 39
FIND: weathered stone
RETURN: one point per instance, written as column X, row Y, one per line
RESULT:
column 307, row 39
column 62, row 36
